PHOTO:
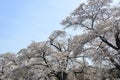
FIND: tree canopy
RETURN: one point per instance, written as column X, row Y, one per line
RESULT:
column 92, row 55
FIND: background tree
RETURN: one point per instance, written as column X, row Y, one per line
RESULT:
column 100, row 21
column 92, row 55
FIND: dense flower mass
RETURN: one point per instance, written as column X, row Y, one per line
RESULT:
column 92, row 55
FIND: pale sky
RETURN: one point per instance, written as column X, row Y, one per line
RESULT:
column 24, row 21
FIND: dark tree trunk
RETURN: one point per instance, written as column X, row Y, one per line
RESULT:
column 61, row 75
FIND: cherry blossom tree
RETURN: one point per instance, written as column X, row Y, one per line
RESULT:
column 100, row 39
column 92, row 55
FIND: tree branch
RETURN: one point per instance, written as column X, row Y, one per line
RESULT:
column 117, row 40
column 58, row 48
column 108, row 43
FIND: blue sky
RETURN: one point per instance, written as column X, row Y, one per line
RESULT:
column 22, row 21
